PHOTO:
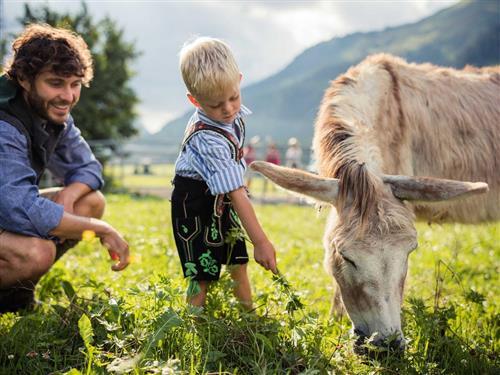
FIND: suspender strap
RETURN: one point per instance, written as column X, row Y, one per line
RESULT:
column 236, row 150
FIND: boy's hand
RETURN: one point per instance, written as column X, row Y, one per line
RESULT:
column 264, row 252
column 265, row 255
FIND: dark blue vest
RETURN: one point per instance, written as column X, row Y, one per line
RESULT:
column 42, row 138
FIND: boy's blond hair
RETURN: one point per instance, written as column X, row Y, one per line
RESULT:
column 208, row 67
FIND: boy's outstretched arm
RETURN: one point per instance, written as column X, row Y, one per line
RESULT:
column 264, row 252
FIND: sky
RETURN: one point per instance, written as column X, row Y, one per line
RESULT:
column 264, row 35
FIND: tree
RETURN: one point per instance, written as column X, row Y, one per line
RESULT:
column 107, row 108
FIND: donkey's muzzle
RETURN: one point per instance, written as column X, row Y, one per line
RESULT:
column 380, row 347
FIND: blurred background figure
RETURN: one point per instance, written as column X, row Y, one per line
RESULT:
column 250, row 155
column 272, row 156
column 293, row 156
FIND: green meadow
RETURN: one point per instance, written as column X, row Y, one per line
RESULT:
column 95, row 321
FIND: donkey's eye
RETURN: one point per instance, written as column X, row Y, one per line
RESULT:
column 351, row 262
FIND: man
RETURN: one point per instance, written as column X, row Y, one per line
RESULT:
column 40, row 86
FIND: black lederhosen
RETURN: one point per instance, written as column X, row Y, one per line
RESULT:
column 201, row 236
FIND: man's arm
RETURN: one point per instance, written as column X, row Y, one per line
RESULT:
column 76, row 165
column 264, row 252
column 73, row 160
column 24, row 211
column 72, row 226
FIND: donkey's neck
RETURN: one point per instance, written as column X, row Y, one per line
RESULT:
column 450, row 119
column 438, row 123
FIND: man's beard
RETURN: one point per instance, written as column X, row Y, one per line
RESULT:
column 40, row 107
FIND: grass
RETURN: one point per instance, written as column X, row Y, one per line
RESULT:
column 132, row 176
column 95, row 321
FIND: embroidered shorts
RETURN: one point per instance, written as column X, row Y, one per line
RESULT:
column 205, row 241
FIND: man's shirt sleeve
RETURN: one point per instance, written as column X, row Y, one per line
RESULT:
column 211, row 157
column 73, row 161
column 22, row 210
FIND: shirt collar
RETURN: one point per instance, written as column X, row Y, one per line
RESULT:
column 200, row 115
column 244, row 111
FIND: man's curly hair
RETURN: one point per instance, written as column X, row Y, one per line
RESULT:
column 41, row 46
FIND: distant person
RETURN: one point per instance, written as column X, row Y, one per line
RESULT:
column 41, row 85
column 250, row 155
column 209, row 198
column 272, row 156
column 293, row 155
column 146, row 166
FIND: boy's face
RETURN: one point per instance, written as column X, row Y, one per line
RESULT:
column 223, row 108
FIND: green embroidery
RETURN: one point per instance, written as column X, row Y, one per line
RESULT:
column 234, row 215
column 184, row 228
column 208, row 263
column 214, row 233
column 193, row 288
column 190, row 269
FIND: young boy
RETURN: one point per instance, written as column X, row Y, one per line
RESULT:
column 209, row 196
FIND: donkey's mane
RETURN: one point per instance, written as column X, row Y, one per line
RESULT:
column 362, row 198
column 337, row 159
column 361, row 192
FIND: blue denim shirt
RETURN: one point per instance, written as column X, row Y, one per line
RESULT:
column 22, row 209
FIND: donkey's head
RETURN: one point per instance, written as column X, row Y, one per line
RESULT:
column 369, row 261
column 368, row 238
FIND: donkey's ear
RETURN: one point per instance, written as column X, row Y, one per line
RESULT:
column 430, row 189
column 304, row 183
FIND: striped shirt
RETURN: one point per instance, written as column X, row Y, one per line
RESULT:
column 207, row 156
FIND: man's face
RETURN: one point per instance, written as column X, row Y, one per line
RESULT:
column 223, row 108
column 53, row 96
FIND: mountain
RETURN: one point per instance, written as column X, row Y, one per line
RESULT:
column 285, row 104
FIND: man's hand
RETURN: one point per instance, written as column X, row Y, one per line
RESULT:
column 73, row 226
column 117, row 248
column 265, row 255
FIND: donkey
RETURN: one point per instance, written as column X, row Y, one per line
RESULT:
column 381, row 127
